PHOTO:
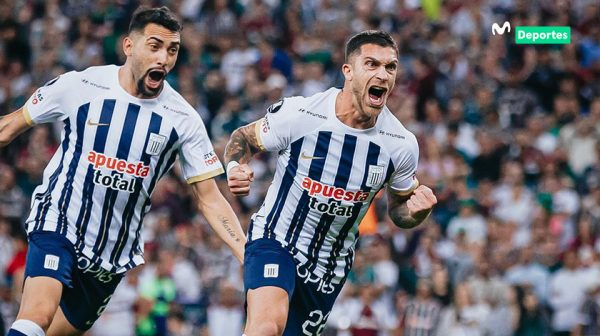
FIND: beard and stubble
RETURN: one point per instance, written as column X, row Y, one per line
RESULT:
column 145, row 90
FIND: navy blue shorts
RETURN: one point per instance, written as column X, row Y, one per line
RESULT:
column 267, row 263
column 87, row 287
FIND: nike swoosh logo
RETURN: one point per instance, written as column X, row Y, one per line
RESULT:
column 91, row 123
column 306, row 157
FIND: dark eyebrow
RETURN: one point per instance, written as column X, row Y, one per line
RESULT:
column 155, row 38
column 369, row 58
column 172, row 44
column 394, row 61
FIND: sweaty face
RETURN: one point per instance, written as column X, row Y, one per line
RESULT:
column 154, row 52
column 373, row 76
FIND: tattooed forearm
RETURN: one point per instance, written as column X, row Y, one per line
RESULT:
column 242, row 144
column 401, row 218
column 237, row 148
column 227, row 226
column 398, row 212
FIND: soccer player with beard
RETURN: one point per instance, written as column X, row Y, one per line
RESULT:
column 124, row 126
column 336, row 150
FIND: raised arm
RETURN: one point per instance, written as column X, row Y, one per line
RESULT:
column 220, row 215
column 244, row 143
column 408, row 211
column 12, row 125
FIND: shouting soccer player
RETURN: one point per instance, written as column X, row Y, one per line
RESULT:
column 337, row 149
column 123, row 128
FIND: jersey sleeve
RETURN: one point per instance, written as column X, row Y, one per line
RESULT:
column 403, row 181
column 46, row 104
column 197, row 156
column 274, row 131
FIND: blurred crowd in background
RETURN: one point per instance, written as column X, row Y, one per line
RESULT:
column 509, row 140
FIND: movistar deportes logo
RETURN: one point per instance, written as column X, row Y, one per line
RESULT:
column 536, row 34
column 496, row 29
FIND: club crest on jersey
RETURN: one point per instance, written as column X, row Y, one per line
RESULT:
column 156, row 142
column 375, row 176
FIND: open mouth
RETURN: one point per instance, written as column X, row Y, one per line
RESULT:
column 376, row 94
column 155, row 78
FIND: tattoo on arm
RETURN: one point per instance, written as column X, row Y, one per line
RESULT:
column 242, row 144
column 398, row 212
column 226, row 224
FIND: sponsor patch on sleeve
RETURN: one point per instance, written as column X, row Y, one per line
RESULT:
column 275, row 107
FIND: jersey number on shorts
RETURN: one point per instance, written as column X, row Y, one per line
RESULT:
column 315, row 323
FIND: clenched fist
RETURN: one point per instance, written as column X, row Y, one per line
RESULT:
column 421, row 202
column 239, row 179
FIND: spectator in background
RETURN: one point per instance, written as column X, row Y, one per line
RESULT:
column 516, row 102
column 469, row 222
column 421, row 313
column 217, row 19
column 567, row 295
column 537, row 127
column 590, row 312
column 485, row 284
column 6, row 249
column 225, row 316
column 503, row 317
column 580, row 145
column 486, row 165
column 235, row 62
column 461, row 261
column 13, row 202
column 369, row 315
column 590, row 45
column 463, row 317
column 229, row 117
column 533, row 319
column 544, row 78
column 528, row 272
column 273, row 59
column 159, row 291
column 15, row 270
column 465, row 141
column 178, row 326
column 441, row 289
column 188, row 284
column 591, row 203
column 514, row 202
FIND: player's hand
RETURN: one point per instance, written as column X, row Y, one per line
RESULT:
column 239, row 179
column 421, row 202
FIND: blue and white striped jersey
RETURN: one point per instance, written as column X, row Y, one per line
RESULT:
column 327, row 176
column 114, row 148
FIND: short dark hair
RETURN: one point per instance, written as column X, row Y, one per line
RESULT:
column 161, row 16
column 377, row 37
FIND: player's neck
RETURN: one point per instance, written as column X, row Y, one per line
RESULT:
column 128, row 83
column 347, row 111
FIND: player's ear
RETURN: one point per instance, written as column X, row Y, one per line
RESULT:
column 347, row 71
column 127, row 46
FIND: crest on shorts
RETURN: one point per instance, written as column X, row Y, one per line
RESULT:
column 155, row 145
column 271, row 271
column 375, row 176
